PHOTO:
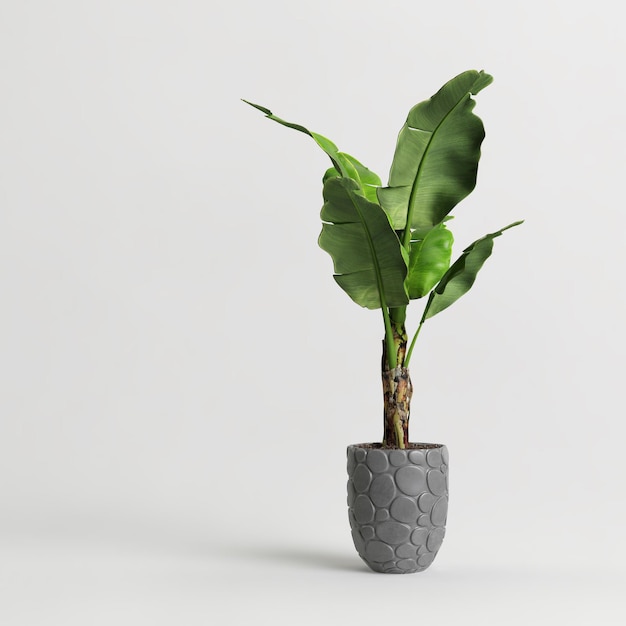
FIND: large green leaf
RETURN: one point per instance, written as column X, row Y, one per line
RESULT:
column 370, row 263
column 436, row 158
column 369, row 181
column 459, row 279
column 429, row 259
column 343, row 164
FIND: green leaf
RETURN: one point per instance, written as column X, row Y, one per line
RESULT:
column 459, row 279
column 343, row 164
column 429, row 259
column 324, row 143
column 369, row 261
column 366, row 175
column 368, row 179
column 436, row 158
column 331, row 172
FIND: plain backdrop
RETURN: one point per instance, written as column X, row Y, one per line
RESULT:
column 179, row 374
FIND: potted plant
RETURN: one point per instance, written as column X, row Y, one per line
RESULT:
column 391, row 245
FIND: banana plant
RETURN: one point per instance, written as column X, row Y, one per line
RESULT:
column 391, row 244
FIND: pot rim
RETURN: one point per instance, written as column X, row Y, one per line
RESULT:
column 412, row 446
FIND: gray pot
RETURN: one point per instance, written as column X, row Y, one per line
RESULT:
column 397, row 505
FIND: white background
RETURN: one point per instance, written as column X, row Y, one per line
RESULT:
column 179, row 374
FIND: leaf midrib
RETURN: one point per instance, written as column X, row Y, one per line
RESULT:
column 406, row 237
column 379, row 277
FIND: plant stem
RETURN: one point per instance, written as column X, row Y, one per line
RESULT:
column 389, row 344
column 397, row 387
column 397, row 392
column 410, row 352
column 398, row 314
column 394, row 345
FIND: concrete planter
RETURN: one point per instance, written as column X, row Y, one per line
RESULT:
column 398, row 504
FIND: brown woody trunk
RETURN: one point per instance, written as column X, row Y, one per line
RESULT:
column 397, row 392
column 397, row 389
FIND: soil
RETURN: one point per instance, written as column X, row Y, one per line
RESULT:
column 411, row 446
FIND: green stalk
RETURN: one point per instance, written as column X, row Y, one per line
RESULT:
column 398, row 315
column 391, row 350
column 408, row 354
column 399, row 432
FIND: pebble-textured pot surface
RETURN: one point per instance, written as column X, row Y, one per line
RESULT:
column 397, row 505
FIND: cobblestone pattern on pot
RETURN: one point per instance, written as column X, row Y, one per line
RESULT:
column 397, row 505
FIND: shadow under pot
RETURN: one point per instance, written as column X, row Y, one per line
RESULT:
column 398, row 504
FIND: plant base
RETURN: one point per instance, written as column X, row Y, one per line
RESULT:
column 398, row 504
